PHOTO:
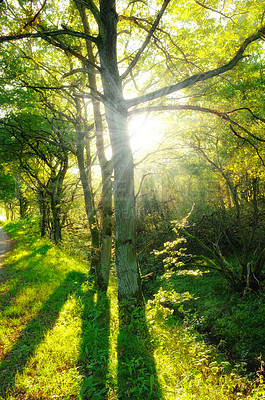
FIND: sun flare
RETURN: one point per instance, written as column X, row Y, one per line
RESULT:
column 145, row 132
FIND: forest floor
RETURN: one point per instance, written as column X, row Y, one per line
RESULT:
column 62, row 339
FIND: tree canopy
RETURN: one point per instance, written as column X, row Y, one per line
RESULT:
column 74, row 73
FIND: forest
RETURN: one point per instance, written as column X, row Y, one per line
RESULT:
column 132, row 186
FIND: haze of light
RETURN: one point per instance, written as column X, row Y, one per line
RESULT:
column 144, row 131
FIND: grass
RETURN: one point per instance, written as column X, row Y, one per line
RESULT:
column 233, row 321
column 62, row 339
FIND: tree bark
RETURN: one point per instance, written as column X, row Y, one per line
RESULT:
column 88, row 196
column 56, row 193
column 44, row 204
column 106, row 231
column 129, row 283
column 84, row 165
column 105, row 166
column 23, row 203
column 56, row 213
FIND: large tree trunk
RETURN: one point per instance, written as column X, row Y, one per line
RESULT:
column 44, row 207
column 56, row 193
column 106, row 172
column 85, row 178
column 106, row 232
column 129, row 284
column 23, row 203
column 56, row 216
column 6, row 212
column 105, row 166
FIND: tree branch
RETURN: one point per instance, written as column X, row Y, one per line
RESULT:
column 167, row 149
column 147, row 40
column 45, row 34
column 137, row 21
column 36, row 15
column 76, row 71
column 249, row 110
column 89, row 4
column 62, row 46
column 187, row 107
column 213, row 10
column 141, row 183
column 198, row 77
column 248, row 141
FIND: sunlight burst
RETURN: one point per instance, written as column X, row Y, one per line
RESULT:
column 145, row 132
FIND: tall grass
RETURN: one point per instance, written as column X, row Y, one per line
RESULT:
column 62, row 339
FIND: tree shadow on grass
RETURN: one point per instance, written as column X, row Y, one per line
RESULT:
column 9, row 272
column 137, row 377
column 94, row 352
column 15, row 361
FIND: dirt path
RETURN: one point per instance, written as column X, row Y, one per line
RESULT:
column 4, row 244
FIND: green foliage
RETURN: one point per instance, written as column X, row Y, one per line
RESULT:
column 243, row 271
column 204, row 301
column 173, row 253
column 182, row 356
column 212, row 162
column 61, row 337
column 7, row 186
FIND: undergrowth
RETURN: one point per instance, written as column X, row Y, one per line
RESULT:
column 60, row 338
column 232, row 321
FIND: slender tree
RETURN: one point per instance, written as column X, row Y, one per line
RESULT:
column 104, row 37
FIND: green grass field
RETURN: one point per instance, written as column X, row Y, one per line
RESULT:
column 62, row 339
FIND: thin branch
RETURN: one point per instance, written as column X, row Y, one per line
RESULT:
column 198, row 77
column 147, row 40
column 76, row 71
column 144, row 194
column 46, row 34
column 155, row 152
column 26, row 136
column 248, row 141
column 141, row 183
column 262, row 18
column 57, row 43
column 187, row 107
column 91, row 95
column 213, row 10
column 136, row 21
column 36, row 15
column 62, row 87
column 250, row 111
column 89, row 4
